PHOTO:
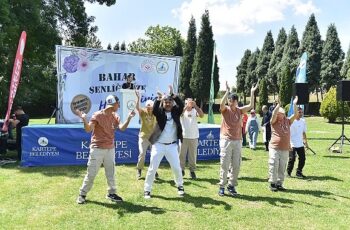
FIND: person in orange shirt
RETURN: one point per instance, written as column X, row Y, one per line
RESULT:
column 231, row 139
column 279, row 145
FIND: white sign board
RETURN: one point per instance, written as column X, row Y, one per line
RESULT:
column 87, row 76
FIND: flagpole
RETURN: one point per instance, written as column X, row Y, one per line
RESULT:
column 211, row 97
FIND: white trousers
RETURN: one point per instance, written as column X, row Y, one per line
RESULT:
column 170, row 152
column 98, row 157
column 277, row 165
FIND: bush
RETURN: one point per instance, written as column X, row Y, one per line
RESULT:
column 331, row 108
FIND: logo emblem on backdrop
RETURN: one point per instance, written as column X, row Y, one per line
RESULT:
column 162, row 67
column 80, row 102
column 131, row 105
column 43, row 141
column 210, row 136
column 147, row 66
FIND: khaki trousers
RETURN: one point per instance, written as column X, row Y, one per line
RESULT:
column 277, row 165
column 144, row 144
column 96, row 159
column 230, row 153
column 188, row 147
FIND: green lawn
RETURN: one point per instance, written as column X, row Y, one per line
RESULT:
column 44, row 197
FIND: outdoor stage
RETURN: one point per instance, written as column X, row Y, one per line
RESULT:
column 68, row 144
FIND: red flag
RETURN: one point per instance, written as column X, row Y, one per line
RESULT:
column 16, row 75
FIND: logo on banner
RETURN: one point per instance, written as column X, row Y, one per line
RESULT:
column 162, row 67
column 147, row 66
column 131, row 105
column 43, row 141
column 82, row 103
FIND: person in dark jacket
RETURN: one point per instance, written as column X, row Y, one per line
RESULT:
column 164, row 137
column 266, row 126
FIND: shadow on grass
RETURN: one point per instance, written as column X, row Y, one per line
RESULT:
column 197, row 201
column 129, row 208
column 322, row 178
column 337, row 156
column 271, row 200
column 316, row 193
column 254, row 179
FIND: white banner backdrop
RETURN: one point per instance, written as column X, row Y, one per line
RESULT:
column 86, row 76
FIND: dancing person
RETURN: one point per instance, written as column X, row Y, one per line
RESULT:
column 266, row 126
column 297, row 140
column 148, row 120
column 279, row 145
column 20, row 120
column 190, row 133
column 103, row 125
column 164, row 139
column 252, row 128
column 231, row 139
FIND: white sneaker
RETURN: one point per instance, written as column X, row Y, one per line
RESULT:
column 147, row 195
column 81, row 199
column 181, row 191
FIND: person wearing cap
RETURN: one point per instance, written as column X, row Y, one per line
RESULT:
column 128, row 84
column 20, row 120
column 252, row 128
column 164, row 137
column 266, row 126
column 279, row 145
column 148, row 120
column 231, row 139
column 297, row 140
column 103, row 125
column 190, row 133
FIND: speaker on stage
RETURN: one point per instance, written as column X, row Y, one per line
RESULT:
column 343, row 90
column 302, row 91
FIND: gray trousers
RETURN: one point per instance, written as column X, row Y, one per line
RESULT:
column 277, row 165
column 230, row 155
column 96, row 159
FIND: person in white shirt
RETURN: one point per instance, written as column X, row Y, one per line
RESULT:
column 297, row 140
column 252, row 128
column 190, row 134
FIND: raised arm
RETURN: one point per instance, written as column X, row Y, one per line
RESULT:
column 224, row 98
column 138, row 108
column 248, row 107
column 88, row 126
column 124, row 125
column 199, row 110
column 275, row 111
column 295, row 108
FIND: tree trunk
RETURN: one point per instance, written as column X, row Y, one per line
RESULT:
column 321, row 94
column 317, row 94
column 244, row 99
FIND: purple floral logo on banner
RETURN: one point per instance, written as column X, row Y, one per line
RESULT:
column 70, row 63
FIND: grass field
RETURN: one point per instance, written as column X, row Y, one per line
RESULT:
column 44, row 197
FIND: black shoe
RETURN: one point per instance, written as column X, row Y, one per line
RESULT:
column 280, row 187
column 193, row 175
column 221, row 191
column 181, row 191
column 81, row 199
column 157, row 175
column 232, row 190
column 183, row 172
column 289, row 174
column 300, row 175
column 273, row 187
column 147, row 195
column 114, row 197
column 138, row 174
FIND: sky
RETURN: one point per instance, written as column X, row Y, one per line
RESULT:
column 237, row 24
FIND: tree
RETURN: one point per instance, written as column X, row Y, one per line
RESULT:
column 116, row 46
column 203, row 61
column 275, row 61
column 332, row 58
column 242, row 74
column 265, row 56
column 93, row 41
column 252, row 76
column 285, row 92
column 178, row 50
column 159, row 40
column 123, row 46
column 109, row 46
column 345, row 71
column 216, row 77
column 263, row 95
column 188, row 59
column 290, row 56
column 331, row 108
column 312, row 44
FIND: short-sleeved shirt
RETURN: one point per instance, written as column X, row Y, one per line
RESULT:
column 296, row 133
column 105, row 126
column 231, row 124
column 280, row 138
column 189, row 124
column 148, row 120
